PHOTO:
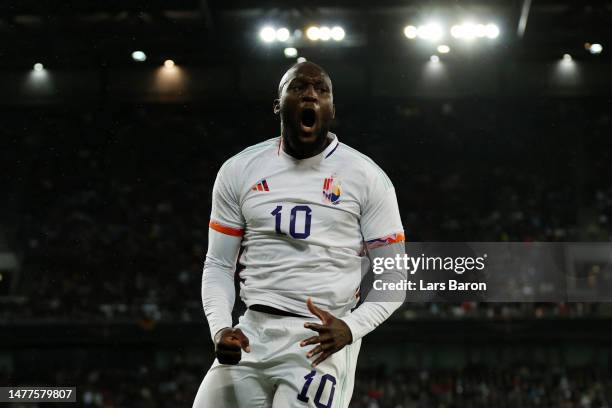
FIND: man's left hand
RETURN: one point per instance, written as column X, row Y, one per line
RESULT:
column 334, row 334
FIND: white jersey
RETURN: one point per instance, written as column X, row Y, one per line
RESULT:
column 304, row 223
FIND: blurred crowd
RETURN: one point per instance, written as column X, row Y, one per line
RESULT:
column 473, row 386
column 484, row 386
column 108, row 210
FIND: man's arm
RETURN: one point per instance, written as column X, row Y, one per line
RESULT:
column 334, row 333
column 379, row 305
column 218, row 295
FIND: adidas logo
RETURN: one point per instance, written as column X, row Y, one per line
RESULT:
column 261, row 186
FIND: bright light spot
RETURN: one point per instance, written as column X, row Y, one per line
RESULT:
column 492, row 31
column 567, row 58
column 168, row 64
column 267, row 34
column 443, row 49
column 139, row 56
column 337, row 33
column 467, row 31
column 290, row 52
column 411, row 32
column 324, row 33
column 39, row 79
column 301, row 59
column 457, row 31
column 282, row 34
column 596, row 48
column 434, row 58
column 313, row 33
column 480, row 30
column 431, row 31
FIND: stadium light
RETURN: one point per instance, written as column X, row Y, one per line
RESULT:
column 431, row 31
column 139, row 56
column 567, row 58
column 435, row 59
column 168, row 64
column 38, row 67
column 492, row 31
column 290, row 52
column 324, row 33
column 595, row 48
column 470, row 31
column 337, row 33
column 313, row 33
column 457, row 31
column 410, row 32
column 301, row 59
column 282, row 34
column 267, row 34
column 443, row 49
column 480, row 30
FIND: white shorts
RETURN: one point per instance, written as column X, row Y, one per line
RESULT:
column 276, row 373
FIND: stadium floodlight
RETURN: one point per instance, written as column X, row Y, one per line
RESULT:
column 457, row 31
column 595, row 48
column 337, row 33
column 301, row 59
column 139, row 56
column 431, row 31
column 38, row 67
column 267, row 34
column 282, row 34
column 435, row 59
column 480, row 30
column 290, row 52
column 313, row 33
column 411, row 32
column 443, row 49
column 567, row 58
column 469, row 31
column 324, row 33
column 492, row 31
column 168, row 63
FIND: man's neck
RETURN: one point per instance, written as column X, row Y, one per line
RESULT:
column 309, row 151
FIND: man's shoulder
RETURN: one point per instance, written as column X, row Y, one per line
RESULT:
column 362, row 165
column 251, row 153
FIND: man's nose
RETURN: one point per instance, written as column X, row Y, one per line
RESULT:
column 310, row 94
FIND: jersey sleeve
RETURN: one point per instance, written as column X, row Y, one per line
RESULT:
column 226, row 215
column 380, row 218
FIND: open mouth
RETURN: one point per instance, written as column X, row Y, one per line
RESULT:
column 309, row 118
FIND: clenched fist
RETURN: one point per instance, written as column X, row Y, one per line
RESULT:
column 229, row 344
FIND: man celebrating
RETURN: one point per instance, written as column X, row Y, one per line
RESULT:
column 304, row 207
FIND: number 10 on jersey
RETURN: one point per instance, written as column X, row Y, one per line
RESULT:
column 300, row 232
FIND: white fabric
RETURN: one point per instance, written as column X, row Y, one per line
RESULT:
column 323, row 263
column 272, row 374
column 218, row 293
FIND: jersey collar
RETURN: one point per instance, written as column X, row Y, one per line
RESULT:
column 329, row 150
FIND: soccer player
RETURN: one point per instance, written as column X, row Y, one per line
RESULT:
column 304, row 207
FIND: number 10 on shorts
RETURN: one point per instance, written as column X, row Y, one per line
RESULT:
column 317, row 400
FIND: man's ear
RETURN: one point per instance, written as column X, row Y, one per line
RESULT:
column 276, row 106
column 334, row 111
